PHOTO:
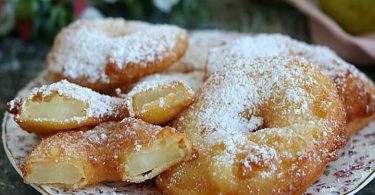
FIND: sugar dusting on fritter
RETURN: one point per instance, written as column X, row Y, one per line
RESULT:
column 98, row 105
column 86, row 47
column 238, row 92
column 200, row 42
column 228, row 111
column 268, row 45
column 105, row 143
column 353, row 87
column 192, row 80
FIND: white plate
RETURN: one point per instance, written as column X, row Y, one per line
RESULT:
column 354, row 169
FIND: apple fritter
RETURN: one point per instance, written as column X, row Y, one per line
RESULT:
column 64, row 106
column 159, row 101
column 130, row 150
column 268, row 126
column 355, row 89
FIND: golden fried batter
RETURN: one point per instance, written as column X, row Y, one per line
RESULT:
column 104, row 53
column 354, row 88
column 130, row 150
column 64, row 106
column 159, row 98
column 267, row 126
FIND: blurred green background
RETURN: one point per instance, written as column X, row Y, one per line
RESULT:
column 40, row 20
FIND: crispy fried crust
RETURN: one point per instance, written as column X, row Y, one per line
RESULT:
column 64, row 106
column 266, row 127
column 192, row 79
column 358, row 96
column 135, row 71
column 359, row 123
column 355, row 90
column 130, row 150
column 158, row 99
column 200, row 43
column 111, row 43
column 162, row 104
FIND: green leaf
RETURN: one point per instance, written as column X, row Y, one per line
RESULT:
column 26, row 9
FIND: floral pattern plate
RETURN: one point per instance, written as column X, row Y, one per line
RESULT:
column 354, row 169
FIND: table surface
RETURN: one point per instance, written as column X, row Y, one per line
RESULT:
column 20, row 62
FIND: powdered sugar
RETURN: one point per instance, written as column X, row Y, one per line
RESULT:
column 98, row 105
column 268, row 45
column 261, row 155
column 238, row 106
column 97, row 138
column 162, row 102
column 356, row 90
column 200, row 42
column 83, row 49
column 192, row 80
column 240, row 93
column 13, row 104
column 102, row 145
